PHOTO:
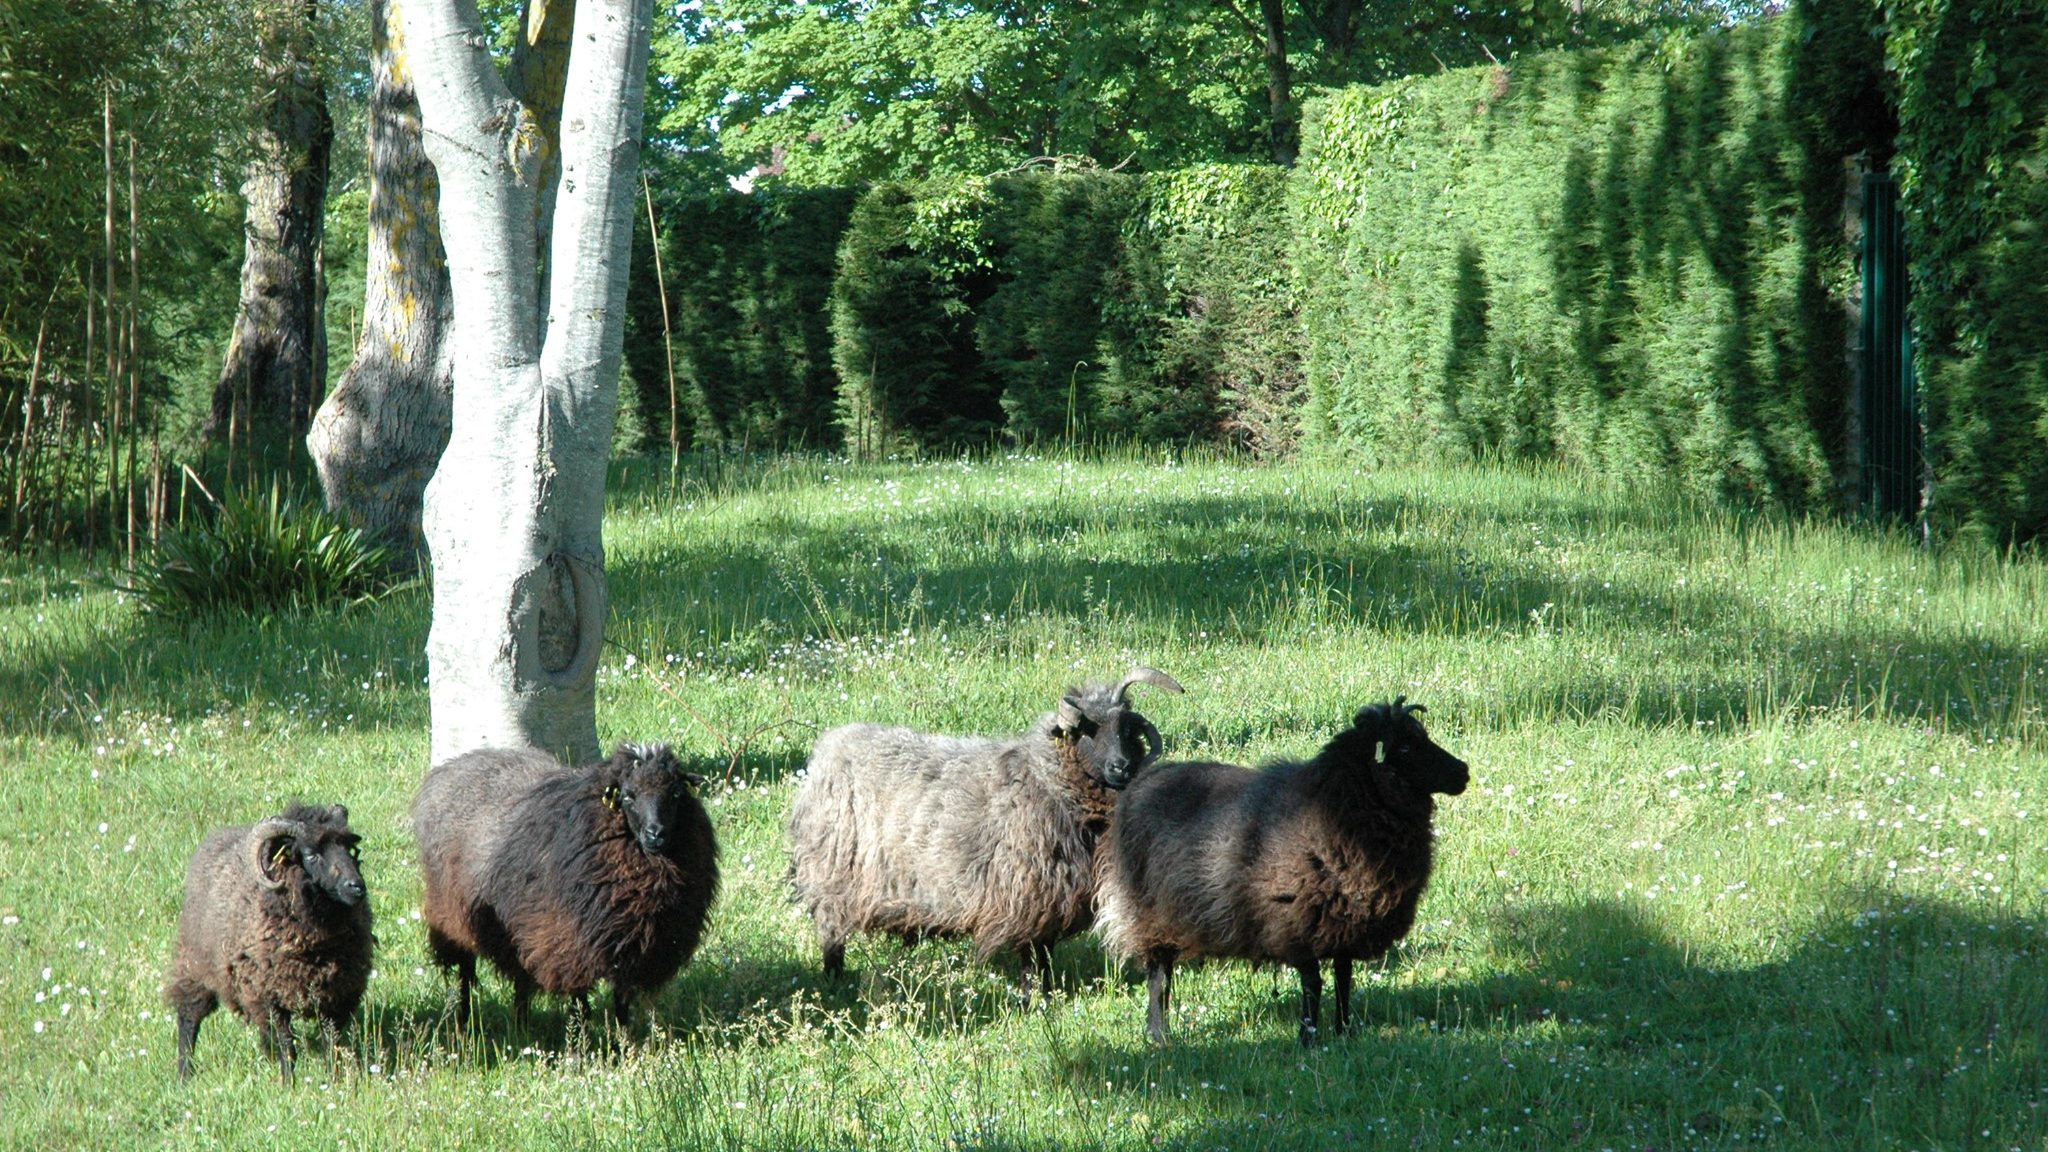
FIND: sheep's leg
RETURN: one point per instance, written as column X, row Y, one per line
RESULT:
column 1034, row 967
column 465, row 980
column 281, row 1036
column 834, row 948
column 1311, row 1001
column 191, row 1011
column 622, row 1005
column 522, row 996
column 1159, row 994
column 1341, row 1011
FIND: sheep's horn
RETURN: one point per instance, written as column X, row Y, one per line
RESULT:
column 261, row 838
column 1152, row 676
column 1152, row 740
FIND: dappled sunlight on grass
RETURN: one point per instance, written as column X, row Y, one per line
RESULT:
column 1751, row 853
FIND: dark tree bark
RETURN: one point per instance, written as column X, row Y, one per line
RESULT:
column 1279, row 83
column 380, row 435
column 276, row 366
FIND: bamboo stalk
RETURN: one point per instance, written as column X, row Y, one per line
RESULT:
column 134, row 338
column 111, row 431
column 668, row 347
column 26, row 462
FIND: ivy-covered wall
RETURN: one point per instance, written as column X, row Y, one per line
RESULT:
column 1631, row 260
column 1972, row 93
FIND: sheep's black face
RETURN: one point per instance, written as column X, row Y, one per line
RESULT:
column 1117, row 745
column 651, row 791
column 1389, row 734
column 333, row 865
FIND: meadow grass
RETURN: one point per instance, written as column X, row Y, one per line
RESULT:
column 1752, row 854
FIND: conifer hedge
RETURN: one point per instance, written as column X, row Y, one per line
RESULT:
column 1630, row 260
column 748, row 280
column 1045, row 307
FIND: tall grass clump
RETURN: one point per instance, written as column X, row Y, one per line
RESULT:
column 259, row 552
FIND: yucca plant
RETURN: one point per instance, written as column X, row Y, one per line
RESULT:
column 262, row 552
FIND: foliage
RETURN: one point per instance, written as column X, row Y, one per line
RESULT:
column 1087, row 304
column 1838, row 732
column 912, row 272
column 858, row 90
column 1628, row 260
column 261, row 553
column 1202, row 323
column 748, row 282
column 1972, row 91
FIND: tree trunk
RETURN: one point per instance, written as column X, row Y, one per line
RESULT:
column 1279, row 84
column 514, row 515
column 380, row 434
column 276, row 365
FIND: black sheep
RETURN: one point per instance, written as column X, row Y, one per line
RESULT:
column 563, row 877
column 276, row 922
column 1299, row 863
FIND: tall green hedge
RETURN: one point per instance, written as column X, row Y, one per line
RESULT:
column 1972, row 80
column 1044, row 306
column 748, row 281
column 1629, row 259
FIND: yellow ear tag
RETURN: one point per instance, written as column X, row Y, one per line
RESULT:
column 277, row 858
column 611, row 799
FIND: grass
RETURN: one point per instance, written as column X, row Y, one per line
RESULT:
column 1752, row 854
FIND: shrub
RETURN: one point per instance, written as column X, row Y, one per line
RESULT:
column 261, row 552
column 1627, row 259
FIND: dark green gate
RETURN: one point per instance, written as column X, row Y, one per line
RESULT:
column 1891, row 410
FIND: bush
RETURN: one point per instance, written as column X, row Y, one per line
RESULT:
column 261, row 553
column 1972, row 80
column 914, row 268
column 1629, row 260
column 749, row 288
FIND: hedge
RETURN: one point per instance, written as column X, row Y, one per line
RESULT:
column 1043, row 307
column 748, row 281
column 1972, row 80
column 1630, row 260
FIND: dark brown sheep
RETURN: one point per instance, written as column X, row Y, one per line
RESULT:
column 1299, row 863
column 564, row 877
column 922, row 835
column 277, row 923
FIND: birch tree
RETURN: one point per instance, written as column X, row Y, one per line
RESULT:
column 514, row 513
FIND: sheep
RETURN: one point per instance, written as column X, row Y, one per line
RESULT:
column 1300, row 863
column 563, row 877
column 925, row 835
column 276, row 922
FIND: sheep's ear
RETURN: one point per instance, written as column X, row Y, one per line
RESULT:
column 270, row 846
column 1070, row 722
column 694, row 779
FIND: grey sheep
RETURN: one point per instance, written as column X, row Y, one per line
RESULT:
column 1300, row 863
column 276, row 922
column 564, row 877
column 924, row 835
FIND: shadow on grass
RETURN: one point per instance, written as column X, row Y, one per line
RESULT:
column 1245, row 568
column 1920, row 1020
column 1249, row 570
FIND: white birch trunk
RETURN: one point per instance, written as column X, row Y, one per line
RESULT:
column 514, row 514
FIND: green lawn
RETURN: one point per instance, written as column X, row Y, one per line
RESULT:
column 1753, row 852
